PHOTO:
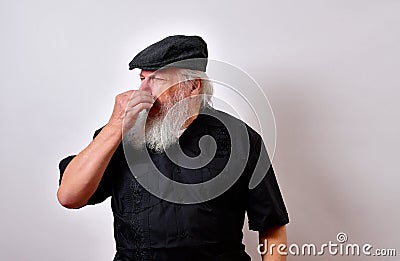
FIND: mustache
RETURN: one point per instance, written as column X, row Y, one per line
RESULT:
column 156, row 108
column 157, row 103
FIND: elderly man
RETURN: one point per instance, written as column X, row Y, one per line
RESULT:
column 172, row 110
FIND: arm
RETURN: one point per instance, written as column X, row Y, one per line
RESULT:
column 271, row 239
column 83, row 174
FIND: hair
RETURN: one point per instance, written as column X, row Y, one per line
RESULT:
column 186, row 76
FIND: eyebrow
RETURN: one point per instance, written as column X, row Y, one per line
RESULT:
column 155, row 75
column 150, row 75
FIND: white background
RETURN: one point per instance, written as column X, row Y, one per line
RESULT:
column 329, row 68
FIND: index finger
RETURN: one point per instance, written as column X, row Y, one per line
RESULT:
column 140, row 93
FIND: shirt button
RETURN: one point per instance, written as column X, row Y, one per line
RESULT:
column 183, row 234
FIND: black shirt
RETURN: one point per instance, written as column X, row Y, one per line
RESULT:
column 149, row 228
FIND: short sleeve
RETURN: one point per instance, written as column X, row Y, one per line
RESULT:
column 104, row 190
column 265, row 205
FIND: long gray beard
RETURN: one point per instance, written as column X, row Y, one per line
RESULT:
column 160, row 132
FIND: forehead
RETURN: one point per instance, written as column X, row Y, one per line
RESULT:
column 162, row 72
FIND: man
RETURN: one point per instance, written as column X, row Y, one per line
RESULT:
column 176, row 219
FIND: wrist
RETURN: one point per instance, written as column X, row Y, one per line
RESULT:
column 113, row 131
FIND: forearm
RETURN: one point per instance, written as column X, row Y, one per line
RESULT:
column 273, row 241
column 83, row 174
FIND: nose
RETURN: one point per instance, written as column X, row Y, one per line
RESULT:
column 145, row 86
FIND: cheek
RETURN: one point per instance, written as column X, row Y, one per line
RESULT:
column 161, row 89
column 165, row 96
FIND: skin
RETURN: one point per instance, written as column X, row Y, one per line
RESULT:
column 83, row 174
column 275, row 235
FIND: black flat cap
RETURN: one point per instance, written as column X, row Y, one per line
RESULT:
column 174, row 51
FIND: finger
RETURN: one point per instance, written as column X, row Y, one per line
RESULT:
column 138, row 108
column 140, row 93
column 127, row 93
column 140, row 99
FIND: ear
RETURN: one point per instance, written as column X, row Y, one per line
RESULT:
column 197, row 84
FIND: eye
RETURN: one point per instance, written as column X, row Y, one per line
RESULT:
column 141, row 78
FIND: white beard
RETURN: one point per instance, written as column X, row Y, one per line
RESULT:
column 161, row 132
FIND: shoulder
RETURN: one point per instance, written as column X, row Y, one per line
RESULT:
column 213, row 117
